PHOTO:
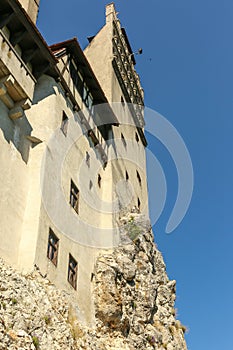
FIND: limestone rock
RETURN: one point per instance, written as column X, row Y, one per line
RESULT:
column 133, row 297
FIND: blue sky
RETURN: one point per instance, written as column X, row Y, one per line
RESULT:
column 186, row 70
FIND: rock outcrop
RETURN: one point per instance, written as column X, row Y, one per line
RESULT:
column 134, row 303
column 134, row 299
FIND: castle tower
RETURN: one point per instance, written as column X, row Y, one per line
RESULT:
column 31, row 7
column 62, row 205
column 112, row 60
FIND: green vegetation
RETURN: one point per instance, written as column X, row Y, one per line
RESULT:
column 133, row 230
column 36, row 342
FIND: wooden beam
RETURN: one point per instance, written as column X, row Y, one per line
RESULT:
column 28, row 55
column 40, row 70
column 4, row 96
column 16, row 113
column 5, row 18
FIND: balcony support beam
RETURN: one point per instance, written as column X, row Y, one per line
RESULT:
column 17, row 37
column 16, row 113
column 5, row 18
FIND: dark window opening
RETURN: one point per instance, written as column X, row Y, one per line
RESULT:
column 74, row 197
column 90, row 185
column 53, row 243
column 139, row 204
column 126, row 175
column 64, row 123
column 123, row 140
column 99, row 180
column 136, row 137
column 122, row 101
column 72, row 272
column 88, row 159
column 139, row 178
column 92, row 137
column 87, row 97
column 81, row 86
column 106, row 131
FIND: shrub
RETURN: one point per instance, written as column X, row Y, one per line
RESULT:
column 36, row 342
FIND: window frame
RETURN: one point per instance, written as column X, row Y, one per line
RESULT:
column 74, row 196
column 64, row 123
column 72, row 275
column 53, row 247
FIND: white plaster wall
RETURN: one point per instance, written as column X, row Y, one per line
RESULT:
column 45, row 117
column 31, row 7
column 98, row 53
column 14, row 185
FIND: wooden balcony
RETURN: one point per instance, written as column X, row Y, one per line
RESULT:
column 16, row 81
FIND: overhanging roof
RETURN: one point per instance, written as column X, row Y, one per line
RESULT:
column 72, row 47
column 34, row 48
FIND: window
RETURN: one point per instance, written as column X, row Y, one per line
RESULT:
column 122, row 101
column 72, row 271
column 139, row 204
column 136, row 137
column 88, row 159
column 99, row 180
column 139, row 178
column 126, row 175
column 64, row 123
column 76, row 77
column 92, row 137
column 53, row 243
column 81, row 85
column 87, row 97
column 74, row 197
column 123, row 140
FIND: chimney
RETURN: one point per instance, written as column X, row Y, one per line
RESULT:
column 110, row 12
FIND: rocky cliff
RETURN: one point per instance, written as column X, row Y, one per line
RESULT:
column 134, row 303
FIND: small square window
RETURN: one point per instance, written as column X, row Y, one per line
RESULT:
column 126, row 175
column 64, row 124
column 72, row 271
column 74, row 197
column 53, row 243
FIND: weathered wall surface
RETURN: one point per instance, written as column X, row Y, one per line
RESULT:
column 31, row 7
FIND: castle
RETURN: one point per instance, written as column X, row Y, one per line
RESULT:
column 72, row 148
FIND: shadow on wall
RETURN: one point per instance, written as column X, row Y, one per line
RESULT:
column 44, row 88
column 15, row 132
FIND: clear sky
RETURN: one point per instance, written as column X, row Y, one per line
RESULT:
column 186, row 70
